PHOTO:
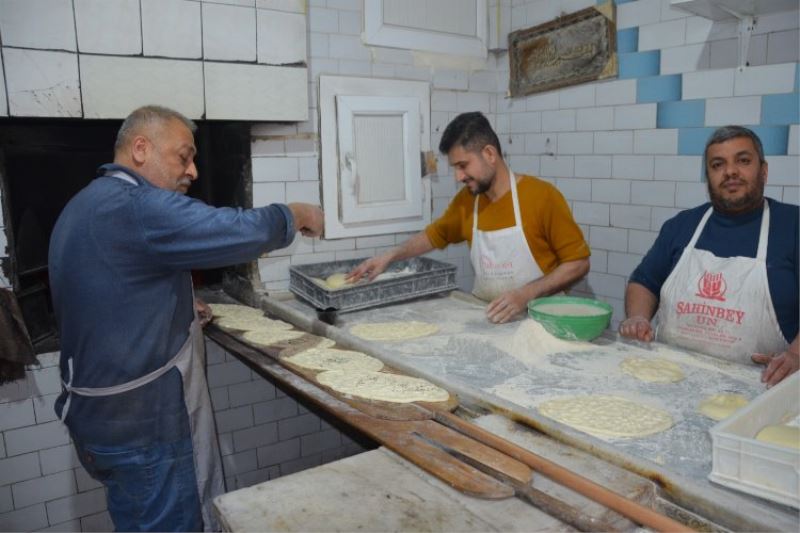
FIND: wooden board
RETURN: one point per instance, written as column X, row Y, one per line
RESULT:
column 279, row 351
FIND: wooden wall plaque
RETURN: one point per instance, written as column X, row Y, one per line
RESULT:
column 569, row 50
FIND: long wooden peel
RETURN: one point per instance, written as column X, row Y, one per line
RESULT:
column 628, row 508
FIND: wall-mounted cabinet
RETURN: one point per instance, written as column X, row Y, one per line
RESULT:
column 372, row 133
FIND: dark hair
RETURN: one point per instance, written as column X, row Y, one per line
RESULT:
column 144, row 116
column 471, row 131
column 726, row 133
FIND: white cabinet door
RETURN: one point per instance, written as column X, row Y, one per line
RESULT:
column 373, row 132
column 379, row 161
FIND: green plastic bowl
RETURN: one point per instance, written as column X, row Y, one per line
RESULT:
column 568, row 326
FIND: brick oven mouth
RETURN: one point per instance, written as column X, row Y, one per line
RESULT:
column 44, row 162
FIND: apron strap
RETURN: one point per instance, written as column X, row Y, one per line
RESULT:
column 514, row 201
column 699, row 228
column 763, row 236
column 123, row 387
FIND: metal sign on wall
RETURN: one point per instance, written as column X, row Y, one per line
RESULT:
column 572, row 49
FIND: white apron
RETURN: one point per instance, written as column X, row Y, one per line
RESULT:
column 190, row 362
column 502, row 259
column 720, row 306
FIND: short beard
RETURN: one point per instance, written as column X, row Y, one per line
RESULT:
column 748, row 202
column 482, row 188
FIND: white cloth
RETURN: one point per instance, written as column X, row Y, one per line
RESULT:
column 502, row 259
column 720, row 306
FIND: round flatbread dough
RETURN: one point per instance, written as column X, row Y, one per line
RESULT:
column 393, row 331
column 337, row 280
column 268, row 337
column 221, row 310
column 382, row 386
column 652, row 370
column 607, row 416
column 782, row 435
column 721, row 406
column 250, row 323
column 334, row 359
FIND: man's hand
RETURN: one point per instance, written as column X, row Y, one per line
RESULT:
column 204, row 312
column 369, row 267
column 637, row 327
column 778, row 366
column 506, row 306
column 308, row 219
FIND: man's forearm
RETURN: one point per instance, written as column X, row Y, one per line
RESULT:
column 640, row 301
column 558, row 280
column 415, row 246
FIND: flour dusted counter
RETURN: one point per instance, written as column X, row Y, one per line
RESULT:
column 500, row 368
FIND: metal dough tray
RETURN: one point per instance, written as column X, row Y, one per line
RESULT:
column 404, row 280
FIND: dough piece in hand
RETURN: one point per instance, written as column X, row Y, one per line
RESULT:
column 337, row 280
column 268, row 337
column 782, row 435
column 221, row 310
column 607, row 416
column 721, row 406
column 393, row 331
column 334, row 359
column 652, row 370
column 382, row 386
column 251, row 323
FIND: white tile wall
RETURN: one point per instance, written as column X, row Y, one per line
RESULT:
column 738, row 110
column 137, row 81
column 679, row 167
column 292, row 6
column 784, row 170
column 229, row 32
column 708, row 84
column 662, row 35
column 660, row 141
column 171, row 28
column 783, row 47
column 616, row 92
column 95, row 18
column 687, row 58
column 563, row 120
column 613, row 142
column 254, row 92
column 596, row 118
column 44, row 24
column 639, row 167
column 638, row 13
column 633, row 117
column 42, row 83
column 281, row 37
column 767, row 79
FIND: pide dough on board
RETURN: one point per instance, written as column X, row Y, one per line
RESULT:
column 334, row 359
column 382, row 386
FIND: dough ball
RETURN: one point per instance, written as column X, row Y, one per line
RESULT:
column 721, row 406
column 782, row 435
column 652, row 370
column 337, row 280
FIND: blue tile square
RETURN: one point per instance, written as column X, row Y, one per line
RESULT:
column 639, row 64
column 659, row 89
column 628, row 40
column 684, row 114
column 780, row 109
column 692, row 141
column 775, row 139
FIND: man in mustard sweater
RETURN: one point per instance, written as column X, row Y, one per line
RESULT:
column 523, row 240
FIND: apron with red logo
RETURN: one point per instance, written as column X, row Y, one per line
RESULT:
column 502, row 259
column 720, row 306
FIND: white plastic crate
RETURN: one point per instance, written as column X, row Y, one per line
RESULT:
column 755, row 467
